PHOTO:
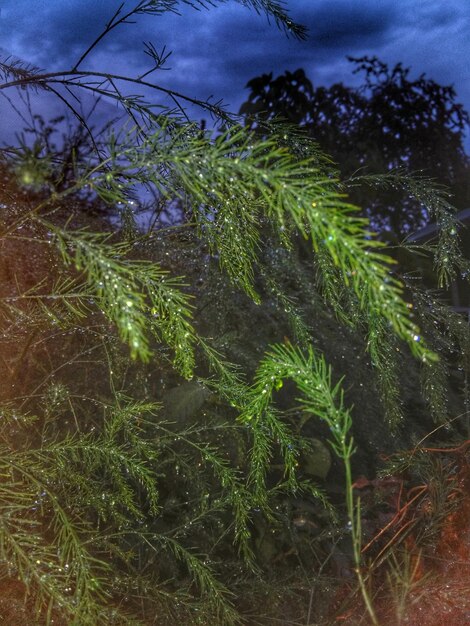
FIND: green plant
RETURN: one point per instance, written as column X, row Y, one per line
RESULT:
column 136, row 456
column 319, row 398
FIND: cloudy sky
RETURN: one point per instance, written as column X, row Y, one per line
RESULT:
column 215, row 52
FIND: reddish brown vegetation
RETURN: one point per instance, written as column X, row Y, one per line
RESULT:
column 417, row 546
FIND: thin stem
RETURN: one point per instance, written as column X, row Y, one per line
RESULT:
column 354, row 514
column 53, row 77
column 114, row 22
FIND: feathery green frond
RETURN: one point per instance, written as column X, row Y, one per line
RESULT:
column 434, row 198
column 57, row 566
column 210, row 587
column 110, row 504
column 288, row 306
column 135, row 295
column 319, row 397
column 384, row 353
column 267, row 180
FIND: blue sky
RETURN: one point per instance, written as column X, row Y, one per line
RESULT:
column 215, row 52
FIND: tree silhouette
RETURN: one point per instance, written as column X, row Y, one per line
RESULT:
column 389, row 122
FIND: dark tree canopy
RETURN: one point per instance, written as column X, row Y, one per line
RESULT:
column 389, row 121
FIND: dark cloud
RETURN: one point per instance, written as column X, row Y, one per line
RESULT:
column 52, row 33
column 347, row 25
column 216, row 52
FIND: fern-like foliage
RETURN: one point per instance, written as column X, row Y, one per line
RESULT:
column 136, row 296
column 313, row 378
column 448, row 257
column 385, row 356
column 46, row 534
column 319, row 397
column 104, row 496
column 236, row 182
